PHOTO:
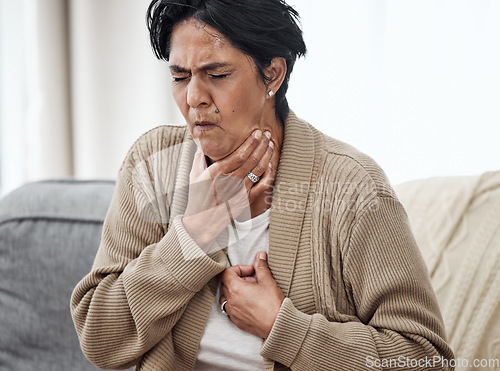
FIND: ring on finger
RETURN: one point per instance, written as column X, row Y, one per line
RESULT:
column 223, row 307
column 254, row 178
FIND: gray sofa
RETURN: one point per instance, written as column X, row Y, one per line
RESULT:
column 50, row 232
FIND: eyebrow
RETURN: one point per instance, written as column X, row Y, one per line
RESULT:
column 206, row 67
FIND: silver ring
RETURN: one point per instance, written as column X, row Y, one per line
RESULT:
column 254, row 178
column 223, row 307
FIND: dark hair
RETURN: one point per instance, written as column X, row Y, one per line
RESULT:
column 262, row 29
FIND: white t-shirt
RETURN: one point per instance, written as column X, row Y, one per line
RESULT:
column 224, row 346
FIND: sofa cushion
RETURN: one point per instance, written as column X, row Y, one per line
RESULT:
column 49, row 235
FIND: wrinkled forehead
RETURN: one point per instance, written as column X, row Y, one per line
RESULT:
column 194, row 42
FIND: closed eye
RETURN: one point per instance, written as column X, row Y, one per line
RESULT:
column 179, row 79
column 219, row 76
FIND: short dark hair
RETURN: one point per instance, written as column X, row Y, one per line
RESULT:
column 262, row 29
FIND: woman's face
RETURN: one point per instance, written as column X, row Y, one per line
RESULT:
column 208, row 74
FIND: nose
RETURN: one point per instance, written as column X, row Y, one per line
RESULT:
column 197, row 93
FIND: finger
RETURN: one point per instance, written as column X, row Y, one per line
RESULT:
column 262, row 271
column 235, row 275
column 250, row 279
column 250, row 160
column 242, row 270
column 235, row 272
column 233, row 161
column 265, row 184
column 255, row 159
column 225, row 292
column 262, row 166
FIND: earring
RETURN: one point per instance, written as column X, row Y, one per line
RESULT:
column 271, row 93
column 217, row 110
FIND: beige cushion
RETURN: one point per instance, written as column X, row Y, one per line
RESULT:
column 456, row 221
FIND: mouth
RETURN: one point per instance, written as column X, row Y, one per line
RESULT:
column 204, row 125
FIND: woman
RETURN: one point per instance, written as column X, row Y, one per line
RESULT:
column 182, row 279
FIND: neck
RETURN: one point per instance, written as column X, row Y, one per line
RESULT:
column 269, row 121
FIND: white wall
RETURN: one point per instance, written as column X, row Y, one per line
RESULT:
column 413, row 83
column 119, row 89
column 11, row 96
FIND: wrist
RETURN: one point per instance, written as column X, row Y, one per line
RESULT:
column 203, row 233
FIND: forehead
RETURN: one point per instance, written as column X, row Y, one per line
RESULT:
column 194, row 42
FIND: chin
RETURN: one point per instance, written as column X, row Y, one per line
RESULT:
column 214, row 153
column 217, row 150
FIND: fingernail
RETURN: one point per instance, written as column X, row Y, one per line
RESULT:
column 257, row 134
column 267, row 134
column 262, row 255
column 271, row 144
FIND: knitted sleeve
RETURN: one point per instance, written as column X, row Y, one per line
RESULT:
column 400, row 325
column 141, row 281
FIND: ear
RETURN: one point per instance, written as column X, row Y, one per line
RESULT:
column 276, row 73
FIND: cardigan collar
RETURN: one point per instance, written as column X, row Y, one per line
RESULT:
column 291, row 189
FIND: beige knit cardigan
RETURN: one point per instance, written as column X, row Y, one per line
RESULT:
column 340, row 248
